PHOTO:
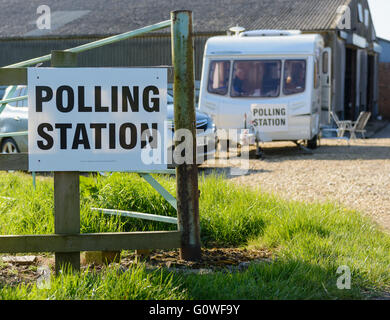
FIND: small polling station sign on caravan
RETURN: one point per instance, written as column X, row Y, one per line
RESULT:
column 269, row 118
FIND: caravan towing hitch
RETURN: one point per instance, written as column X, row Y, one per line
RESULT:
column 259, row 151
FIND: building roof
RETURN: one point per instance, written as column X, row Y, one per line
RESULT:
column 72, row 18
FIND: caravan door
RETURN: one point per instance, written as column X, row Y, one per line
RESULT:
column 326, row 82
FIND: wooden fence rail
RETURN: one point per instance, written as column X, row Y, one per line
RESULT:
column 90, row 242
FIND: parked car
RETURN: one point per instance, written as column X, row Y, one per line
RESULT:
column 206, row 138
column 14, row 118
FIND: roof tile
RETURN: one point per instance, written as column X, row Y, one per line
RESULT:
column 112, row 17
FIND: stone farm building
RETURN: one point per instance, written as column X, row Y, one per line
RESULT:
column 345, row 24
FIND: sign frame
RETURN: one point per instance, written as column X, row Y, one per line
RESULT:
column 97, row 119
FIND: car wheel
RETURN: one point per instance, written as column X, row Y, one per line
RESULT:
column 9, row 146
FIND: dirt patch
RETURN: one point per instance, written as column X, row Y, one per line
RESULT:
column 212, row 259
column 13, row 274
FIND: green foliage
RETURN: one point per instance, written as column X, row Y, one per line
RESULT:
column 111, row 284
column 310, row 240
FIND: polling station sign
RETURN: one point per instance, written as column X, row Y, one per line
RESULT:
column 269, row 117
column 96, row 119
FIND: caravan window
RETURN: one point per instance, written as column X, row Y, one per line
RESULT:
column 219, row 77
column 317, row 76
column 325, row 62
column 259, row 78
column 294, row 76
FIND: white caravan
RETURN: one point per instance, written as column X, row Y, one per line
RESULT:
column 272, row 83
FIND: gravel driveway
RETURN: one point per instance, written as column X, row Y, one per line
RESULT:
column 355, row 176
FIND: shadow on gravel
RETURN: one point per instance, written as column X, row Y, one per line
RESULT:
column 284, row 151
column 326, row 152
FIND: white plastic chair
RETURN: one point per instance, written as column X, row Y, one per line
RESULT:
column 359, row 125
column 342, row 125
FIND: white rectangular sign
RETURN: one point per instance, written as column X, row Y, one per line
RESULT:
column 97, row 119
column 269, row 117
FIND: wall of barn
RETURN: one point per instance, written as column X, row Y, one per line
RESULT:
column 142, row 51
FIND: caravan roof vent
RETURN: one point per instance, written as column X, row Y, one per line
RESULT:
column 236, row 30
column 269, row 33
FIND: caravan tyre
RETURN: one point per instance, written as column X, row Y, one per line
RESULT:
column 313, row 143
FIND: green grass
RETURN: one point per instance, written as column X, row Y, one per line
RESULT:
column 310, row 241
column 111, row 284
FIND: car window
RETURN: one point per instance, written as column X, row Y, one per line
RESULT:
column 257, row 78
column 23, row 103
column 14, row 95
column 19, row 92
column 294, row 76
column 2, row 91
column 219, row 77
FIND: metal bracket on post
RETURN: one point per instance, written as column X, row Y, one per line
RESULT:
column 66, row 190
column 184, row 110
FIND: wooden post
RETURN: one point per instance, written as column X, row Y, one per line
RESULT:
column 184, row 110
column 66, row 190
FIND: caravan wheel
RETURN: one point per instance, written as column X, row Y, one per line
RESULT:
column 312, row 143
